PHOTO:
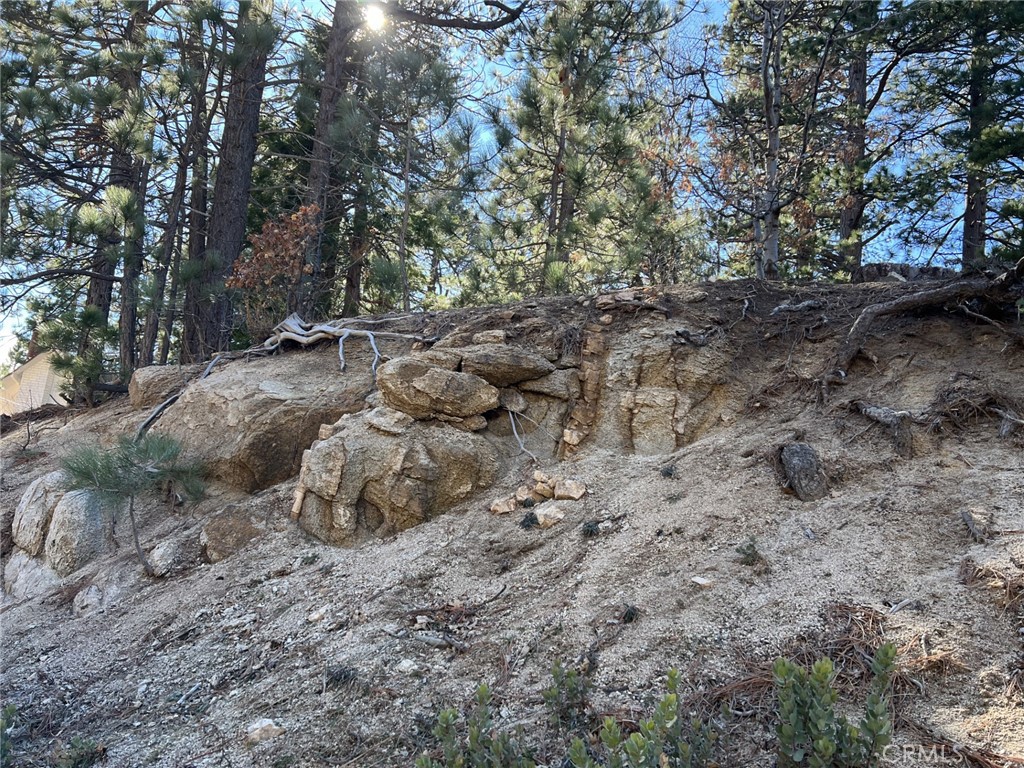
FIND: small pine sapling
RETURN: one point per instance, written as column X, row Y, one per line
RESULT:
column 134, row 467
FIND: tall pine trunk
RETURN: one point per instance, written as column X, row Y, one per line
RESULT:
column 343, row 60
column 855, row 200
column 207, row 318
column 978, row 120
column 771, row 70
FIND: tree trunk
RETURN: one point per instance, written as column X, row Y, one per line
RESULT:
column 343, row 60
column 854, row 201
column 134, row 256
column 125, row 172
column 170, row 251
column 207, row 307
column 771, row 83
column 359, row 239
column 359, row 245
column 978, row 120
column 406, row 201
column 554, row 201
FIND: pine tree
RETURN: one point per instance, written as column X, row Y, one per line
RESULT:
column 575, row 185
column 135, row 467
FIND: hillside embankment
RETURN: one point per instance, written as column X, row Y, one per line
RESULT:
column 698, row 478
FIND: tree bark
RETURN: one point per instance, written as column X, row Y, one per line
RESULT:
column 207, row 307
column 854, row 202
column 771, row 83
column 977, row 121
column 343, row 61
column 134, row 256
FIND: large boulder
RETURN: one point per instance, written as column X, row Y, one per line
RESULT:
column 419, row 387
column 503, row 365
column 153, row 384
column 226, row 533
column 32, row 516
column 378, row 474
column 27, row 576
column 79, row 532
column 250, row 421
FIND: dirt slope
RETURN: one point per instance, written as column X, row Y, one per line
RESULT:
column 323, row 641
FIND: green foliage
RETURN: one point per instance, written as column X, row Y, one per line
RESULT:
column 133, row 467
column 751, row 557
column 667, row 740
column 143, row 465
column 79, row 340
column 811, row 733
column 483, row 745
column 566, row 699
column 80, row 753
column 8, row 719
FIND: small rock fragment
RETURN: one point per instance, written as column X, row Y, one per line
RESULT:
column 569, row 489
column 503, row 506
column 523, row 492
column 408, row 667
column 544, row 490
column 263, row 730
column 549, row 516
column 700, row 581
column 317, row 615
column 572, row 436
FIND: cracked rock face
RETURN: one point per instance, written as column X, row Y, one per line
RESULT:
column 366, row 481
column 250, row 422
column 424, row 390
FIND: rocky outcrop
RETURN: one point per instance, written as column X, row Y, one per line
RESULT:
column 153, row 384
column 27, row 576
column 79, row 531
column 34, row 511
column 424, row 390
column 380, row 472
column 503, row 365
column 250, row 421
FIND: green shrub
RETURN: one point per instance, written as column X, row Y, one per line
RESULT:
column 667, row 740
column 8, row 718
column 566, row 699
column 483, row 746
column 811, row 733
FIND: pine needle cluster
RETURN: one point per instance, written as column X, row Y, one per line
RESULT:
column 134, row 467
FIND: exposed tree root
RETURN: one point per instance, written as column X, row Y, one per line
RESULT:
column 961, row 290
column 294, row 328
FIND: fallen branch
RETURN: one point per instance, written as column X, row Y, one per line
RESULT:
column 294, row 328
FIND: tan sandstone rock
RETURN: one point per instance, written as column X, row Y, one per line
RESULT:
column 249, row 422
column 225, row 534
column 153, row 384
column 503, row 365
column 423, row 390
column 361, row 482
column 569, row 490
